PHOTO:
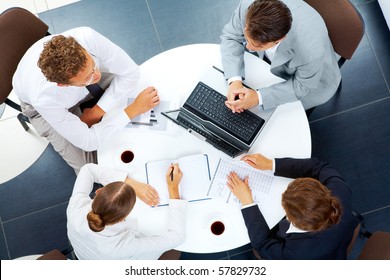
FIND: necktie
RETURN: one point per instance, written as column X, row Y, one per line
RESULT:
column 96, row 91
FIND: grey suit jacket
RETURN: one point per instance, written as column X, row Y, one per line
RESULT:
column 305, row 58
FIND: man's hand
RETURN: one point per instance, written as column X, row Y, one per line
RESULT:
column 92, row 115
column 231, row 96
column 144, row 192
column 145, row 101
column 258, row 161
column 240, row 188
column 245, row 98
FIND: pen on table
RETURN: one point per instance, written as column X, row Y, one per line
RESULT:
column 200, row 199
column 194, row 200
column 142, row 123
column 161, row 205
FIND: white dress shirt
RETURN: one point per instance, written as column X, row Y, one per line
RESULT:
column 53, row 102
column 121, row 240
column 270, row 53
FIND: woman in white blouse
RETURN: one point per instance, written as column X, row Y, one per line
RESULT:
column 102, row 228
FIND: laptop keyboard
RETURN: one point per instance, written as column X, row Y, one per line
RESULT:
column 211, row 105
column 213, row 140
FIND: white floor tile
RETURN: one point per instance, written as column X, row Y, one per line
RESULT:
column 28, row 5
column 19, row 149
column 41, row 6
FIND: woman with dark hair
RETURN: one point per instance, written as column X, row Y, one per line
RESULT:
column 102, row 228
column 319, row 223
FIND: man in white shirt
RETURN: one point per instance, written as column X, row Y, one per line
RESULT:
column 294, row 38
column 51, row 81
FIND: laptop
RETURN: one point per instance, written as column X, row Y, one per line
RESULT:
column 205, row 115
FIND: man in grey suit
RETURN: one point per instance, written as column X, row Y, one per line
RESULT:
column 293, row 37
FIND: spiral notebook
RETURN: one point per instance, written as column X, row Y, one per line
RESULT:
column 194, row 183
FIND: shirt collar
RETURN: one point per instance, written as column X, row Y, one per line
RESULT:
column 273, row 49
column 294, row 229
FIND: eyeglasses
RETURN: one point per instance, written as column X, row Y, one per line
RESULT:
column 92, row 75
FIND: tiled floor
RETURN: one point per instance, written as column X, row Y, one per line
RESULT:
column 351, row 131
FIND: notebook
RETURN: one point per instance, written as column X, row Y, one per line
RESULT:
column 205, row 115
column 194, row 183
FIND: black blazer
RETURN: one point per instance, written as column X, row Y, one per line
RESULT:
column 331, row 243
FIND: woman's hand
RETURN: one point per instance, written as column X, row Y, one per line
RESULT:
column 258, row 161
column 173, row 178
column 240, row 188
column 144, row 192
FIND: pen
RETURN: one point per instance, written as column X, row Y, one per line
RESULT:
column 142, row 123
column 171, row 172
column 200, row 199
column 161, row 205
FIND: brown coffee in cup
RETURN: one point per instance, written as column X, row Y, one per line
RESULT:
column 127, row 156
column 217, row 228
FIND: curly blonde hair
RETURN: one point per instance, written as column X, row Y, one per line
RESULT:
column 62, row 59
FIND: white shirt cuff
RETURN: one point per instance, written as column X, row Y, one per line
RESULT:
column 273, row 166
column 234, row 78
column 259, row 96
column 248, row 205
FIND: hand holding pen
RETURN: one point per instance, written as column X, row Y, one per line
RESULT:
column 173, row 178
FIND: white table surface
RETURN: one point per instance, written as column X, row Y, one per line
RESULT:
column 175, row 73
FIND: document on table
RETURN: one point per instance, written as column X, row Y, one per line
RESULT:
column 259, row 181
column 266, row 188
column 195, row 181
column 151, row 120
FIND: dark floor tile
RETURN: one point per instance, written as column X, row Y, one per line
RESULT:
column 189, row 22
column 4, row 255
column 378, row 220
column 358, row 3
column 211, row 256
column 362, row 83
column 127, row 23
column 356, row 143
column 37, row 233
column 378, row 34
column 49, row 181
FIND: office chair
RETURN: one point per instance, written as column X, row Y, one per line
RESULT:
column 377, row 247
column 345, row 26
column 19, row 30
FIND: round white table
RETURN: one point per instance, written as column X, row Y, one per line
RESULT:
column 175, row 73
